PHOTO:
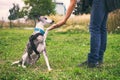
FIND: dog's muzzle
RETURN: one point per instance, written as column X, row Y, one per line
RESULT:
column 39, row 30
column 52, row 22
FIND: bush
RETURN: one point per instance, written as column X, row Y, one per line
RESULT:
column 114, row 21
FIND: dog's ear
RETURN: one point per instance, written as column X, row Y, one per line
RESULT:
column 36, row 16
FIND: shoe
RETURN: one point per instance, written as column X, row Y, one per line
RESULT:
column 92, row 65
column 83, row 64
column 100, row 62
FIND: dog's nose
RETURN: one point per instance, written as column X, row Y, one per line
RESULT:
column 52, row 22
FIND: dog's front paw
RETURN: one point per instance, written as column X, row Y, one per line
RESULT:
column 50, row 70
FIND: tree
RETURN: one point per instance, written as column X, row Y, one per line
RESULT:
column 14, row 13
column 35, row 8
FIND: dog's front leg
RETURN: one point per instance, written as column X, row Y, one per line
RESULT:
column 45, row 35
column 46, row 60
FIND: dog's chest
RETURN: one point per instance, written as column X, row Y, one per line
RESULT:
column 39, row 25
column 39, row 40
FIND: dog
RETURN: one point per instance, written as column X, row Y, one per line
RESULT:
column 36, row 44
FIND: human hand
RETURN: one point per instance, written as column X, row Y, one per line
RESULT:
column 58, row 24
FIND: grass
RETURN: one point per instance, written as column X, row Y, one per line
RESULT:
column 65, row 51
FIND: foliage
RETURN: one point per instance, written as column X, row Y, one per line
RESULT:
column 14, row 12
column 65, row 50
column 35, row 8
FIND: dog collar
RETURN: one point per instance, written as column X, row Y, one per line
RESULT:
column 39, row 30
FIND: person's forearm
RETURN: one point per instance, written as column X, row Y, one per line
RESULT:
column 70, row 9
column 68, row 13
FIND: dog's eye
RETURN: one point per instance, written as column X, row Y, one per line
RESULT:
column 45, row 18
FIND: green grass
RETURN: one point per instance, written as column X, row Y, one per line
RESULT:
column 65, row 51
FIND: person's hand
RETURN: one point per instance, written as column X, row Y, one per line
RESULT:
column 58, row 24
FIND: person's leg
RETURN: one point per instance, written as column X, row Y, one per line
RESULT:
column 103, row 39
column 97, row 17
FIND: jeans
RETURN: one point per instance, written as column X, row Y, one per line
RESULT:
column 98, row 31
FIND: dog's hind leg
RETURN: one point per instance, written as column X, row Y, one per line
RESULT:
column 46, row 60
column 24, row 59
column 23, row 64
column 29, row 50
column 38, row 56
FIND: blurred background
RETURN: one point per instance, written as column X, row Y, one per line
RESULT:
column 22, row 14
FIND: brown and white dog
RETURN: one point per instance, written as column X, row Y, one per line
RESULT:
column 36, row 44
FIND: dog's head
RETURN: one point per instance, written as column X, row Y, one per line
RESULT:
column 45, row 20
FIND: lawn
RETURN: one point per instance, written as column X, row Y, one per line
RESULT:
column 65, row 51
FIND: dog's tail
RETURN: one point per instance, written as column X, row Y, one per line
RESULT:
column 17, row 62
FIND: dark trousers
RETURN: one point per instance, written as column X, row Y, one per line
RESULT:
column 98, row 31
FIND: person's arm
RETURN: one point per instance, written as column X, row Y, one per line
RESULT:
column 68, row 13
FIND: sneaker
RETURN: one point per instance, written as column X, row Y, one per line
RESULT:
column 83, row 64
